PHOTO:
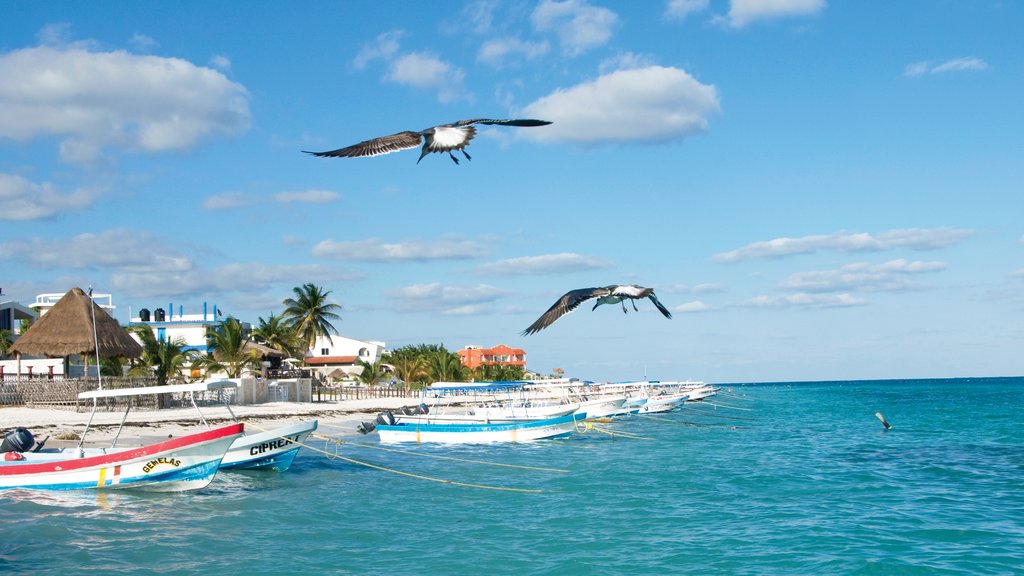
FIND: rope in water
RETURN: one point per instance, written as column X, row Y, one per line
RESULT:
column 402, row 473
column 613, row 433
column 439, row 457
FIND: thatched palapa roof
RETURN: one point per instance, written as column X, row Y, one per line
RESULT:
column 68, row 329
column 263, row 351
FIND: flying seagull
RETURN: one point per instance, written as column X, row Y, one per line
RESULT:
column 613, row 294
column 443, row 138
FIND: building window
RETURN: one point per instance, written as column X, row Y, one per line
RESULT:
column 325, row 351
column 364, row 352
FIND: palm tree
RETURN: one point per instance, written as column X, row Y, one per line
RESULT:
column 275, row 333
column 227, row 350
column 371, row 374
column 410, row 369
column 163, row 359
column 446, row 366
column 498, row 372
column 309, row 314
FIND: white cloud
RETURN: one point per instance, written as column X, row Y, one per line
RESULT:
column 578, row 25
column 955, row 65
column 692, row 307
column 625, row 61
column 652, row 104
column 706, row 288
column 680, row 9
column 545, row 264
column 22, row 199
column 99, row 251
column 376, row 250
column 805, row 300
column 499, row 51
column 220, row 61
column 197, row 281
column 384, row 47
column 476, row 17
column 743, row 12
column 93, row 100
column 452, row 300
column 142, row 43
column 862, row 276
column 426, row 71
column 228, row 201
column 312, row 196
column 912, row 238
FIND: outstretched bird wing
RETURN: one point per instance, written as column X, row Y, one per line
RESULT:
column 526, row 122
column 661, row 307
column 376, row 146
column 564, row 305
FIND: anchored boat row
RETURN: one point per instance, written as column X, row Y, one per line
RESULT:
column 459, row 413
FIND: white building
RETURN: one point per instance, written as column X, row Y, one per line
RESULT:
column 44, row 302
column 189, row 327
column 342, row 352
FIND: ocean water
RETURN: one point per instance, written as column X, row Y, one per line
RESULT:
column 794, row 478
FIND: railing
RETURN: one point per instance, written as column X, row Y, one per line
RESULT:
column 322, row 393
column 63, row 394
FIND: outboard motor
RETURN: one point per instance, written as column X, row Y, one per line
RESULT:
column 366, row 427
column 17, row 440
column 386, row 418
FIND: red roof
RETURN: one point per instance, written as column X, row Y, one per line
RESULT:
column 324, row 360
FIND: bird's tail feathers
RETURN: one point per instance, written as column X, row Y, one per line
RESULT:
column 661, row 307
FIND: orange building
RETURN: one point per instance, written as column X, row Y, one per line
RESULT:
column 474, row 356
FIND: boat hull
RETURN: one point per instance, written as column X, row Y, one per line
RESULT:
column 272, row 450
column 478, row 433
column 175, row 465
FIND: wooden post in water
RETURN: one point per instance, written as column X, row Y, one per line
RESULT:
column 882, row 420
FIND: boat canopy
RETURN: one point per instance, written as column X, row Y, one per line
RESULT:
column 169, row 389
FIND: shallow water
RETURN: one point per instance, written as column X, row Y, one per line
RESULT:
column 779, row 478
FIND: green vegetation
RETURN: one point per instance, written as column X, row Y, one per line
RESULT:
column 309, row 314
column 227, row 351
column 5, row 342
column 163, row 359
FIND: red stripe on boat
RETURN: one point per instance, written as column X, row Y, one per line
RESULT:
column 122, row 456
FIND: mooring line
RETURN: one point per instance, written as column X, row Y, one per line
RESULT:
column 440, row 457
column 613, row 433
column 716, row 405
column 726, row 416
column 409, row 474
column 671, row 422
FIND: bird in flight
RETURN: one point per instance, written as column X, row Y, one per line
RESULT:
column 613, row 294
column 442, row 138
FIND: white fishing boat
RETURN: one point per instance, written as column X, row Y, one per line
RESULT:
column 478, row 432
column 174, row 465
column 271, row 450
column 699, row 390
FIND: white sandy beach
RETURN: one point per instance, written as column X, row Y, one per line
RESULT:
column 336, row 418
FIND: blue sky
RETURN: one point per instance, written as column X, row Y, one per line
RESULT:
column 817, row 190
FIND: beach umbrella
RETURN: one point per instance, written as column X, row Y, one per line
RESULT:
column 67, row 329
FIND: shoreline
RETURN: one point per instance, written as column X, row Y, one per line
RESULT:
column 60, row 424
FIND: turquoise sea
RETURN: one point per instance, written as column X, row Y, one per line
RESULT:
column 782, row 478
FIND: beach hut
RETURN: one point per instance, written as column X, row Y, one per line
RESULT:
column 67, row 330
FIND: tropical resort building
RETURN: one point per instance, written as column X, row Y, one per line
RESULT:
column 191, row 328
column 474, row 356
column 337, row 356
column 44, row 302
column 12, row 314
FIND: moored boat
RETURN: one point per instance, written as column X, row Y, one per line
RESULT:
column 478, row 432
column 174, row 465
column 271, row 450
